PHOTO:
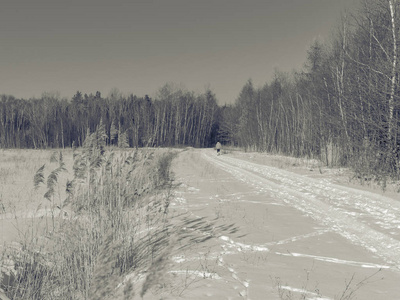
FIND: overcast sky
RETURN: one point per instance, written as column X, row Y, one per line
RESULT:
column 138, row 46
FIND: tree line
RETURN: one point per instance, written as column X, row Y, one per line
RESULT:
column 176, row 117
column 342, row 107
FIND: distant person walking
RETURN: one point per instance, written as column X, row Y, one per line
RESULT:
column 218, row 146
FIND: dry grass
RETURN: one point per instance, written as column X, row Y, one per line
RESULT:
column 96, row 216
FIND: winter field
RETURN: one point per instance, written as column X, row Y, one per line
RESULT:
column 100, row 223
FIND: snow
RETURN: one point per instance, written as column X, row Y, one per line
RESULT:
column 366, row 219
column 313, row 236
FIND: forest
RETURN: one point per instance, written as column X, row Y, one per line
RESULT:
column 177, row 118
column 342, row 107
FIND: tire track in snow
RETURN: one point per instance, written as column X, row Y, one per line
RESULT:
column 344, row 210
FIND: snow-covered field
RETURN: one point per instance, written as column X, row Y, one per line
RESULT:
column 299, row 236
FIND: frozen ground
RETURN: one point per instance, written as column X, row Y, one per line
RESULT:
column 270, row 228
column 299, row 236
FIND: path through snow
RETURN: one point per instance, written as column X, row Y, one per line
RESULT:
column 364, row 218
column 299, row 237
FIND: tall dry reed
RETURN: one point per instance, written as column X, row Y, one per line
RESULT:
column 111, row 223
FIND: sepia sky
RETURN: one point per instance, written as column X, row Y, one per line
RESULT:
column 138, row 46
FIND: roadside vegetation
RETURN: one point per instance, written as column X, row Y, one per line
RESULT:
column 107, row 222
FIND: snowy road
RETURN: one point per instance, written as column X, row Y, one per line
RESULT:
column 299, row 237
column 364, row 218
